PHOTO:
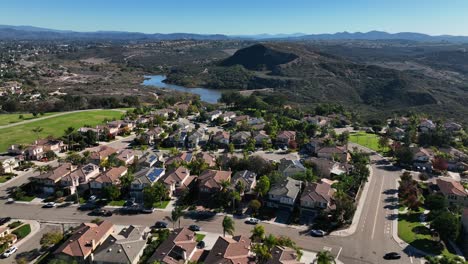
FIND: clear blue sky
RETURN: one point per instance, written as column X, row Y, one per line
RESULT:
column 241, row 16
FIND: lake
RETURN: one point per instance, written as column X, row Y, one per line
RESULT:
column 206, row 95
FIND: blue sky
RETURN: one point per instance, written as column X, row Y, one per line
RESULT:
column 241, row 16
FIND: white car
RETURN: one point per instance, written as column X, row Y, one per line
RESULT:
column 50, row 205
column 317, row 233
column 252, row 221
column 10, row 251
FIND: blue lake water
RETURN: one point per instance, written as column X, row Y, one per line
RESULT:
column 206, row 95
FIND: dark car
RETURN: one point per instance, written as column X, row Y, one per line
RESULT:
column 87, row 206
column 392, row 255
column 101, row 212
column 201, row 244
column 160, row 224
column 4, row 220
column 194, row 228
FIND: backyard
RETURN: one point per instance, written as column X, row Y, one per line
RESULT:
column 54, row 126
column 367, row 140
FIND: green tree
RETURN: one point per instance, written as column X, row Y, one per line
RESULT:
column 176, row 214
column 152, row 194
column 254, row 206
column 228, row 226
column 231, row 148
column 262, row 253
column 112, row 192
column 324, row 257
column 51, row 238
column 258, row 233
column 383, row 142
column 436, row 202
column 447, row 225
column 37, row 131
column 263, row 186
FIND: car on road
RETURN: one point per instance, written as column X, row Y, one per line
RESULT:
column 50, row 205
column 201, row 244
column 160, row 224
column 87, row 206
column 147, row 210
column 10, row 200
column 392, row 255
column 101, row 212
column 317, row 233
column 194, row 228
column 4, row 220
column 10, row 251
column 252, row 221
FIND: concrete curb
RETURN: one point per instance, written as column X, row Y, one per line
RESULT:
column 35, row 227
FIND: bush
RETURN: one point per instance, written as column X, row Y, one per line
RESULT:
column 22, row 231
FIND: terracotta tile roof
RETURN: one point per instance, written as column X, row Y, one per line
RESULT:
column 283, row 255
column 318, row 192
column 103, row 152
column 85, row 239
column 172, row 250
column 57, row 173
column 286, row 134
column 208, row 158
column 235, row 250
column 178, row 175
column 112, row 175
column 451, row 187
column 213, row 178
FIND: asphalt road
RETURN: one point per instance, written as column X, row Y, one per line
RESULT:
column 372, row 239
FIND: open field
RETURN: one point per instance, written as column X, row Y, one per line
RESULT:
column 367, row 140
column 6, row 119
column 54, row 126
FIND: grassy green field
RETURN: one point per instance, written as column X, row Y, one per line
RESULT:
column 416, row 234
column 22, row 231
column 367, row 140
column 6, row 119
column 54, row 126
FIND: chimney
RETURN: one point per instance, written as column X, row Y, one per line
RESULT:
column 93, row 243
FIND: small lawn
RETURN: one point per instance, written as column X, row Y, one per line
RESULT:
column 22, row 231
column 417, row 235
column 5, row 178
column 15, row 224
column 161, row 205
column 199, row 237
column 367, row 140
column 117, row 203
column 25, row 198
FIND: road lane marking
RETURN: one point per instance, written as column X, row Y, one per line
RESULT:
column 339, row 252
column 327, row 248
column 378, row 208
column 411, row 259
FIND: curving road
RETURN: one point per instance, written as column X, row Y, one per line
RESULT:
column 371, row 240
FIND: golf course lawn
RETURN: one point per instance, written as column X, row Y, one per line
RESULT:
column 54, row 126
column 6, row 119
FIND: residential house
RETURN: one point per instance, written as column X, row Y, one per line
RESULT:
column 178, row 180
column 238, row 120
column 127, row 156
column 18, row 150
column 240, row 139
column 316, row 196
column 35, row 152
column 283, row 255
column 289, row 168
column 179, row 247
column 101, row 154
column 126, row 247
column 314, row 145
column 326, row 168
column 210, row 181
column 422, row 159
column 8, row 163
column 178, row 138
column 260, row 137
column 397, row 133
column 49, row 181
column 336, row 153
column 166, row 112
column 247, row 178
column 456, row 160
column 108, row 178
column 235, row 250
column 228, row 116
column 426, row 125
column 221, row 138
column 152, row 136
column 84, row 241
column 452, row 127
column 79, row 177
column 256, row 123
column 209, row 159
column 150, row 159
column 453, row 191
column 284, row 138
column 283, row 195
column 183, row 157
column 319, row 121
column 54, row 145
column 197, row 138
column 213, row 115
column 145, row 177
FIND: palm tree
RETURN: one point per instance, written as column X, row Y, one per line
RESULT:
column 324, row 257
column 258, row 233
column 262, row 253
column 37, row 131
column 228, row 226
column 176, row 214
column 43, row 169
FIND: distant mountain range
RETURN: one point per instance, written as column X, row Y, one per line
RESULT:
column 8, row 32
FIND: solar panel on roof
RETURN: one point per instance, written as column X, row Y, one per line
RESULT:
column 189, row 157
column 152, row 158
column 154, row 174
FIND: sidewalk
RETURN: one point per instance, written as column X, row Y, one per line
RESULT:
column 35, row 227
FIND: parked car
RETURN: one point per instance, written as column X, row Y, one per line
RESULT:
column 392, row 255
column 317, row 233
column 10, row 251
column 252, row 221
column 101, row 212
column 194, row 228
column 4, row 220
column 50, row 205
column 201, row 244
column 87, row 206
column 92, row 198
column 160, row 224
column 10, row 200
column 147, row 210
